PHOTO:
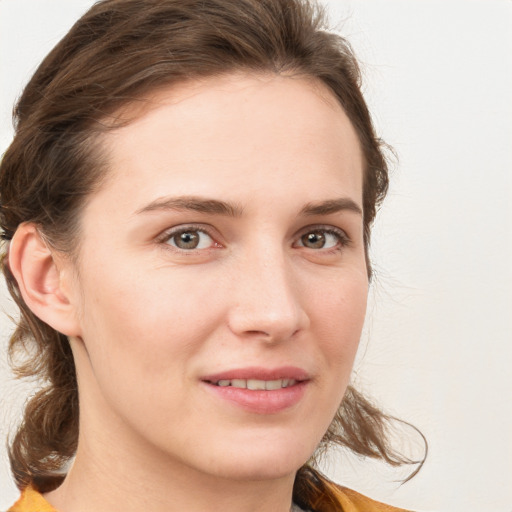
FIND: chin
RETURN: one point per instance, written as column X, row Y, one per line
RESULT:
column 266, row 462
column 252, row 472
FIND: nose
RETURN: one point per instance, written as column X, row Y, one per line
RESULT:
column 267, row 303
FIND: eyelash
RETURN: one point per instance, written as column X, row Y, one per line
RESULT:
column 164, row 238
column 342, row 237
column 167, row 236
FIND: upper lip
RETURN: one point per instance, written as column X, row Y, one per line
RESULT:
column 259, row 373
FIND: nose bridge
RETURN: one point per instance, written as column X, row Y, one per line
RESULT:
column 267, row 301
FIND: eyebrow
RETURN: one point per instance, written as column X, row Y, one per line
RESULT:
column 331, row 206
column 215, row 206
column 196, row 204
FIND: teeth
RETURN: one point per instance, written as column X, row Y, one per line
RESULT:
column 274, row 384
column 255, row 384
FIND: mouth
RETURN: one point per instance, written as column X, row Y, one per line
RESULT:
column 259, row 390
column 258, row 378
column 255, row 384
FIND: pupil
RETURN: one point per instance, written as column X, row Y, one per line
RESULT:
column 315, row 240
column 187, row 240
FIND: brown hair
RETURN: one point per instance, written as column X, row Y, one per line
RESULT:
column 116, row 53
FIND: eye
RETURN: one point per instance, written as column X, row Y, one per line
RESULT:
column 323, row 238
column 189, row 239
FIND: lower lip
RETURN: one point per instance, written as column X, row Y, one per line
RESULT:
column 260, row 401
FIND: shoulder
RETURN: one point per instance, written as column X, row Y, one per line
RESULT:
column 31, row 500
column 352, row 501
column 316, row 493
column 343, row 499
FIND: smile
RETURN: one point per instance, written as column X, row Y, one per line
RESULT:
column 259, row 390
column 256, row 384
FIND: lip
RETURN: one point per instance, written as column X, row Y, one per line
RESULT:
column 260, row 401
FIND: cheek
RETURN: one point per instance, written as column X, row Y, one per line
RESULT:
column 151, row 323
column 135, row 319
column 139, row 346
column 338, row 317
column 337, row 320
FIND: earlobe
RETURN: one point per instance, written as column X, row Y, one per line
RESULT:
column 43, row 280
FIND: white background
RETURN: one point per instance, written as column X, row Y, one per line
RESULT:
column 437, row 349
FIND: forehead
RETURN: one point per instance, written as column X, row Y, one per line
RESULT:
column 237, row 130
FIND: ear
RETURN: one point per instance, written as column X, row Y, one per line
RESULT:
column 44, row 279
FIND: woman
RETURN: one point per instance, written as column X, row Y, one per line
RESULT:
column 187, row 206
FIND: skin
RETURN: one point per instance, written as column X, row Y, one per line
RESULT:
column 147, row 321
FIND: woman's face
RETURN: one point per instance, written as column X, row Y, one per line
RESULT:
column 223, row 253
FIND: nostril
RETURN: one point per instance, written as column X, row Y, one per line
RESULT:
column 258, row 333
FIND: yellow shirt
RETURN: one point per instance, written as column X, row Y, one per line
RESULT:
column 31, row 501
column 350, row 501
